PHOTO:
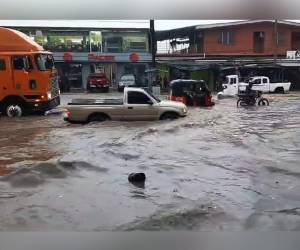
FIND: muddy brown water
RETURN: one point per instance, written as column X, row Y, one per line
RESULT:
column 223, row 168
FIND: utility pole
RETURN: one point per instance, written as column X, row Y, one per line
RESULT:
column 153, row 42
column 275, row 41
column 153, row 53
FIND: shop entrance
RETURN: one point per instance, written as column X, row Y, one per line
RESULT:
column 109, row 69
column 138, row 70
column 74, row 75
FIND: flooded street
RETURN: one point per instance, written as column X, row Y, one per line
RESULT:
column 224, row 168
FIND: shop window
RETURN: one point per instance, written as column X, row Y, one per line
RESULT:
column 125, row 42
column 113, row 44
column 135, row 42
column 226, row 38
column 95, row 40
column 68, row 42
column 2, row 65
column 280, row 39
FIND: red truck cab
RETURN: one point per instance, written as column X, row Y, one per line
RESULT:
column 97, row 81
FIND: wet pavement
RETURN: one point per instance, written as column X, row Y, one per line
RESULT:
column 220, row 168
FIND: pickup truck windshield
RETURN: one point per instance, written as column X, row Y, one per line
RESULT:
column 127, row 78
column 44, row 62
column 153, row 96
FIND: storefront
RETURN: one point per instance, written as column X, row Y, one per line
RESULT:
column 79, row 52
column 75, row 67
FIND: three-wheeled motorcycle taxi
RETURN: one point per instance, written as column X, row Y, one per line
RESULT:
column 191, row 93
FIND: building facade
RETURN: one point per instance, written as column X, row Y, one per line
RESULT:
column 254, row 38
column 244, row 47
column 251, row 39
column 79, row 52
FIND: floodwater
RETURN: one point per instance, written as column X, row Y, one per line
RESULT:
column 222, row 168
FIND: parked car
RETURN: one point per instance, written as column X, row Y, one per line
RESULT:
column 97, row 81
column 136, row 104
column 127, row 80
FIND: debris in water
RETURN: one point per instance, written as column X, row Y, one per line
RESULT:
column 137, row 177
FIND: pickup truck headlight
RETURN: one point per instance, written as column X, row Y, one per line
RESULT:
column 49, row 95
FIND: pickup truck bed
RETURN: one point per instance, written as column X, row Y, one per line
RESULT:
column 96, row 102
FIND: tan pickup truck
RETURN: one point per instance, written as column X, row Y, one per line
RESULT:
column 137, row 104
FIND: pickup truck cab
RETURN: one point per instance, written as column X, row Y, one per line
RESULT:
column 231, row 86
column 137, row 104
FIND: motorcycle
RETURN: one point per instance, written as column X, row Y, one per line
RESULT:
column 251, row 98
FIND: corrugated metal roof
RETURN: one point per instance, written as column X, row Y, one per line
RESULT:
column 217, row 25
column 186, row 31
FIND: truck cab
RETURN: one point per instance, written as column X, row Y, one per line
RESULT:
column 28, row 78
column 231, row 86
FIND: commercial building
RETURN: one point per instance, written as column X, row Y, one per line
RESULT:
column 98, row 48
column 245, row 47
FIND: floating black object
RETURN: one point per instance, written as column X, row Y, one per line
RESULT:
column 137, row 177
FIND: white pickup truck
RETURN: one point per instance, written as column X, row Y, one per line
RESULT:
column 137, row 104
column 261, row 83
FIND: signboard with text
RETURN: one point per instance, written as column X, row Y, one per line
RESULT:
column 82, row 57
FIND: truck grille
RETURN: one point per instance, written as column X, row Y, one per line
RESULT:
column 54, row 86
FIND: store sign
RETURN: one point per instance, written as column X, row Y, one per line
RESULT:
column 68, row 56
column 101, row 58
column 134, row 57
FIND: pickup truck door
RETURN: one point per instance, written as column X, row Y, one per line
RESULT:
column 231, row 89
column 257, row 85
column 139, row 107
column 265, row 84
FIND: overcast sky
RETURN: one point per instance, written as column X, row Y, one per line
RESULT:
column 159, row 24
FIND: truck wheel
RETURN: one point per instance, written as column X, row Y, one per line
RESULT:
column 279, row 90
column 13, row 109
column 98, row 118
column 169, row 116
column 220, row 96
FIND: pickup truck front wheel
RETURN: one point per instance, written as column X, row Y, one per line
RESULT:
column 96, row 117
column 169, row 116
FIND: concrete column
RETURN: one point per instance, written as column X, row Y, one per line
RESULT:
column 85, row 74
column 120, row 71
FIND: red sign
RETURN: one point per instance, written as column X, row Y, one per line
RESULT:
column 68, row 56
column 134, row 57
column 100, row 58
